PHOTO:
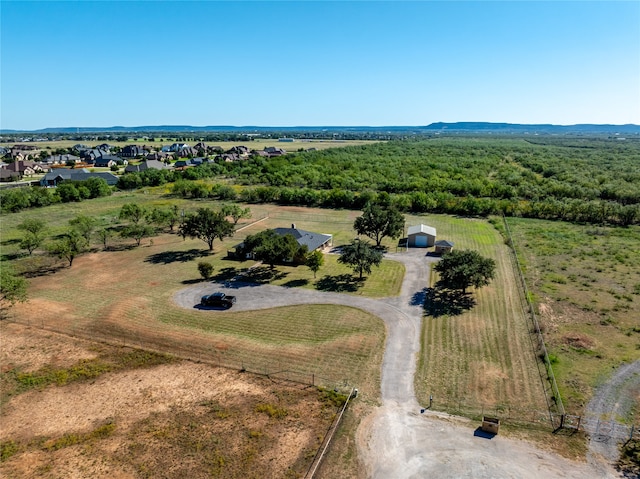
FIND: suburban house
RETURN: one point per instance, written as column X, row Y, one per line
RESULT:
column 421, row 236
column 107, row 161
column 227, row 158
column 174, row 148
column 61, row 159
column 132, row 151
column 443, row 246
column 66, row 174
column 24, row 168
column 158, row 156
column 273, row 151
column 146, row 165
column 8, row 175
column 311, row 240
column 91, row 154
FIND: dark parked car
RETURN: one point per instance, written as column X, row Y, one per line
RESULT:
column 218, row 299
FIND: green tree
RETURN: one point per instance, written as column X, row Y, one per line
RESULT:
column 71, row 245
column 104, row 234
column 360, row 255
column 132, row 212
column 460, row 269
column 13, row 288
column 378, row 221
column 85, row 225
column 314, row 261
column 34, row 231
column 68, row 192
column 205, row 269
column 137, row 231
column 206, row 225
column 236, row 212
column 272, row 248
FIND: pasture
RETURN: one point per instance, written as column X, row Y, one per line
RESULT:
column 482, row 359
column 585, row 285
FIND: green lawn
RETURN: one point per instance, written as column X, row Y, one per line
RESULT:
column 481, row 359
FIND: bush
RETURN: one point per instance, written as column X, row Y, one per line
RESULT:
column 205, row 269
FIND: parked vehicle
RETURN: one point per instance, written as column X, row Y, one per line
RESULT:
column 218, row 299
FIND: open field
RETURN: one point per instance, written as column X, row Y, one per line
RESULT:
column 585, row 283
column 117, row 412
column 481, row 359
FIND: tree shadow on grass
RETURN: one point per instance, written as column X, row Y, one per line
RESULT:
column 225, row 274
column 341, row 283
column 444, row 302
column 263, row 275
column 167, row 257
column 296, row 283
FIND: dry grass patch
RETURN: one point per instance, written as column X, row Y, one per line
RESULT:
column 179, row 419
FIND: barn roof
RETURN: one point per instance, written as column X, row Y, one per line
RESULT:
column 430, row 230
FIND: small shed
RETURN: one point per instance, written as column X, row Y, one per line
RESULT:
column 443, row 246
column 421, row 236
column 490, row 425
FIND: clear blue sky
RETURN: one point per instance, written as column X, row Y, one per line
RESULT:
column 293, row 63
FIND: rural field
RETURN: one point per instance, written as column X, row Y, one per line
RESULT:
column 585, row 285
column 481, row 360
column 472, row 362
column 75, row 408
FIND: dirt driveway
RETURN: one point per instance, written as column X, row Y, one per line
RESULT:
column 397, row 440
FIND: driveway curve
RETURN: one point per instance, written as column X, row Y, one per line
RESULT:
column 399, row 439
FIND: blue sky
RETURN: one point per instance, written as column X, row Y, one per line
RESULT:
column 294, row 63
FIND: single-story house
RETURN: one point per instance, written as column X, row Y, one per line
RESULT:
column 311, row 240
column 421, row 236
column 107, row 161
column 146, row 165
column 443, row 246
column 66, row 174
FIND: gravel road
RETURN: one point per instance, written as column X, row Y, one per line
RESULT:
column 611, row 401
column 397, row 440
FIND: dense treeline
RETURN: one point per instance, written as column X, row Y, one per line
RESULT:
column 594, row 181
column 16, row 199
column 579, row 180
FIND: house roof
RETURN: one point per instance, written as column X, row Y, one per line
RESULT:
column 146, row 165
column 430, row 230
column 311, row 240
column 305, row 238
column 444, row 243
column 77, row 175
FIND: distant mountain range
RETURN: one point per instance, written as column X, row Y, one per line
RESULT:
column 469, row 127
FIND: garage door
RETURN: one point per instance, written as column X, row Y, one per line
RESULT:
column 421, row 241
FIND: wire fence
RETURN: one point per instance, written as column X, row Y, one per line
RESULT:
column 552, row 393
column 192, row 348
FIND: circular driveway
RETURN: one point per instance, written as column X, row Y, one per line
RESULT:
column 397, row 440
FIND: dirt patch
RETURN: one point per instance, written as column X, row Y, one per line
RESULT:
column 578, row 341
column 180, row 419
column 28, row 349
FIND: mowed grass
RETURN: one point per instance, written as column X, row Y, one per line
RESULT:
column 481, row 360
column 125, row 295
column 585, row 284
